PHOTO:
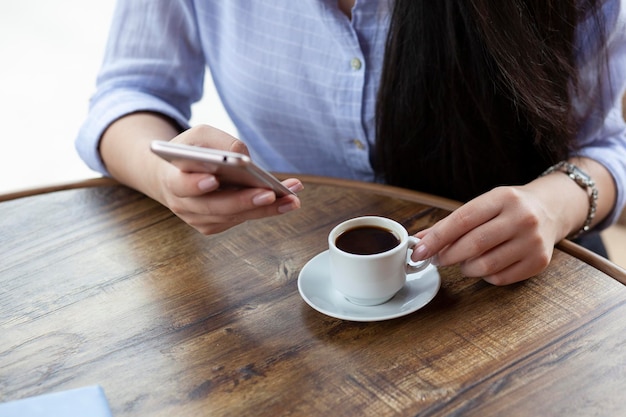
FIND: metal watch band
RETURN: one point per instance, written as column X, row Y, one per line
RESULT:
column 585, row 182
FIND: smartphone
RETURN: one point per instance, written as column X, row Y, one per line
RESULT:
column 231, row 169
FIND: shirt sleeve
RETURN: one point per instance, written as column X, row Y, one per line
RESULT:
column 153, row 62
column 603, row 133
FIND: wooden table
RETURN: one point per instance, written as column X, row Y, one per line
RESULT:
column 101, row 285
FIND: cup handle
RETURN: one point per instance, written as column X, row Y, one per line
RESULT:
column 411, row 266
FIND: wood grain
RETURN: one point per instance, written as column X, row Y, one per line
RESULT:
column 102, row 285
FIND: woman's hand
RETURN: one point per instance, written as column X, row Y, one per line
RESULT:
column 197, row 201
column 508, row 234
column 503, row 236
column 194, row 197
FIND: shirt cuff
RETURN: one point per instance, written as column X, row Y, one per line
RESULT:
column 107, row 109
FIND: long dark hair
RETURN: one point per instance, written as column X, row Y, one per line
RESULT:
column 476, row 93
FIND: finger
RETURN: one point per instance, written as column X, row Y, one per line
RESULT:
column 478, row 211
column 513, row 261
column 457, row 224
column 294, row 184
column 188, row 184
column 446, row 232
column 211, row 137
column 224, row 205
column 215, row 222
column 422, row 233
column 515, row 272
column 192, row 184
column 477, row 242
column 493, row 261
column 237, row 205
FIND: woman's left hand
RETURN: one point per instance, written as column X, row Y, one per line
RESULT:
column 508, row 234
column 504, row 236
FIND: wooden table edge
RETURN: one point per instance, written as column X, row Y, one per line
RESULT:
column 62, row 186
column 600, row 263
column 383, row 189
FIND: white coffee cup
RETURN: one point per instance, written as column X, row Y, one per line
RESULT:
column 366, row 271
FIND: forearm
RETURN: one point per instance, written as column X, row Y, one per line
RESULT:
column 125, row 150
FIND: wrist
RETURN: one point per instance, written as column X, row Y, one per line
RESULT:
column 563, row 202
column 586, row 185
column 125, row 150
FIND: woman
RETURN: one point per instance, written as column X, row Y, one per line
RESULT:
column 471, row 99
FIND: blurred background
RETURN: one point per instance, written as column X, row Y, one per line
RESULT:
column 51, row 52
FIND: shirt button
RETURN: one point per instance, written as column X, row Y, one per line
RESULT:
column 356, row 64
column 358, row 144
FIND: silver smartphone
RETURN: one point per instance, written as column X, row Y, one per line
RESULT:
column 231, row 169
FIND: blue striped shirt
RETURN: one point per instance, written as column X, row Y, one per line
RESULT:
column 298, row 79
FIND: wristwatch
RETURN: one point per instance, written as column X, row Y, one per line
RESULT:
column 585, row 182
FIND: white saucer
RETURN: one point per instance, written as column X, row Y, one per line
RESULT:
column 316, row 289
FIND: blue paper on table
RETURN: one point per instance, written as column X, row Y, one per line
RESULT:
column 80, row 402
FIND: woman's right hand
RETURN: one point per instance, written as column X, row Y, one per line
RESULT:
column 196, row 199
column 193, row 197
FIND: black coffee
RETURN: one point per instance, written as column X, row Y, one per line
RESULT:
column 367, row 240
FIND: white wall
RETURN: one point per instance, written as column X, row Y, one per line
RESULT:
column 50, row 54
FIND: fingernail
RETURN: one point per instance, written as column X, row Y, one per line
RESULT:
column 264, row 198
column 435, row 260
column 420, row 252
column 296, row 188
column 207, row 184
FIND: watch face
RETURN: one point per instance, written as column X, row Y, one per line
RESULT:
column 579, row 172
column 584, row 176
